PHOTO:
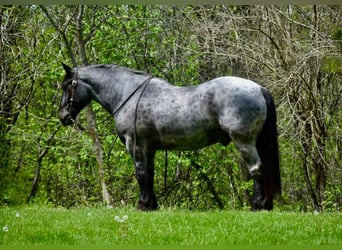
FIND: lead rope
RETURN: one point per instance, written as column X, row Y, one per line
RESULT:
column 165, row 171
column 129, row 97
column 144, row 84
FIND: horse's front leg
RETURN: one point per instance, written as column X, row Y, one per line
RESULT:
column 144, row 172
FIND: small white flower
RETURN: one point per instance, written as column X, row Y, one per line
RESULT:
column 117, row 218
column 17, row 214
column 125, row 217
column 5, row 229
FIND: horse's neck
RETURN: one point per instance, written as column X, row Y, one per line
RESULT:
column 111, row 89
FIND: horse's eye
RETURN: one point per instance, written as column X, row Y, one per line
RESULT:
column 65, row 85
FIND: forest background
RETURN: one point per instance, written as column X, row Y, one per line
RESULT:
column 294, row 51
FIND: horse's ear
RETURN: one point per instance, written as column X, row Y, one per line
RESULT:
column 66, row 68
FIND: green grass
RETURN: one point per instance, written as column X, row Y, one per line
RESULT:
column 97, row 226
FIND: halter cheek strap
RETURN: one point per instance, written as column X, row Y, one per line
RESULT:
column 70, row 109
column 73, row 86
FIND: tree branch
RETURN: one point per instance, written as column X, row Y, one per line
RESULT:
column 62, row 33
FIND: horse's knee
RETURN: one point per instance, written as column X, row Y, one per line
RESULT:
column 140, row 174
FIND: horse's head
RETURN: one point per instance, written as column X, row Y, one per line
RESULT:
column 75, row 96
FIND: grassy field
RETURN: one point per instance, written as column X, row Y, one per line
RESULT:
column 101, row 226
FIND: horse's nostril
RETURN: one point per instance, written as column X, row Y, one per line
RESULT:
column 68, row 120
column 65, row 117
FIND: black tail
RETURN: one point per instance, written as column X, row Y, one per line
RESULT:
column 267, row 146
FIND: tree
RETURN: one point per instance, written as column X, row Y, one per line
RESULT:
column 274, row 40
column 17, row 85
column 292, row 50
column 81, row 39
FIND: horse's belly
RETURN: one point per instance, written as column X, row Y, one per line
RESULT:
column 186, row 123
column 192, row 139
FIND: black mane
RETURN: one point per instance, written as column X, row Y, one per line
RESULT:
column 115, row 67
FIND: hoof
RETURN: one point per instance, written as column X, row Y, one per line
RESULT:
column 146, row 208
column 258, row 205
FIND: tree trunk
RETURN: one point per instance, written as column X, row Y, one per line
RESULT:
column 98, row 151
column 41, row 154
column 90, row 115
column 81, row 51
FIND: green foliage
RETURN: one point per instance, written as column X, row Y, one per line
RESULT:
column 184, row 45
column 332, row 65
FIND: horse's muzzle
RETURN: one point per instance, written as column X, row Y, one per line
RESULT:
column 65, row 117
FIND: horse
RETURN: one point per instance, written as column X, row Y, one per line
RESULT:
column 151, row 114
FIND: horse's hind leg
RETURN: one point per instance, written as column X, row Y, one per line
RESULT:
column 251, row 157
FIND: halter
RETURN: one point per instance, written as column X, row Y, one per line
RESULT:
column 73, row 86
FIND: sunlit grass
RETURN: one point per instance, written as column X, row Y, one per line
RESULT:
column 101, row 226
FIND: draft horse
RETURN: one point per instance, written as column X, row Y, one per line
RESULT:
column 151, row 114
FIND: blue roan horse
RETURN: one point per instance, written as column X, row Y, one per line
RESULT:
column 151, row 114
